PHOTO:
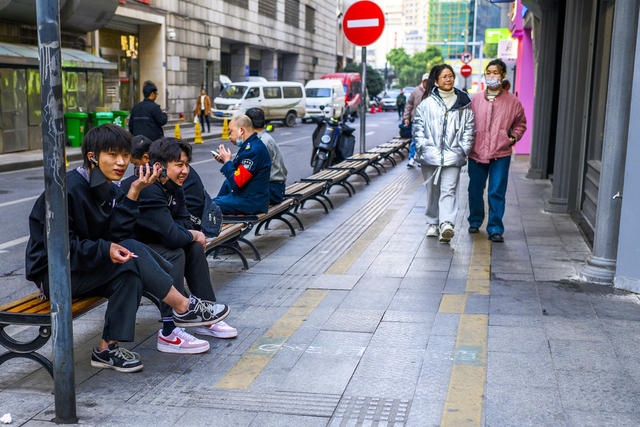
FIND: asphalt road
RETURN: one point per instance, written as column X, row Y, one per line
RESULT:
column 19, row 189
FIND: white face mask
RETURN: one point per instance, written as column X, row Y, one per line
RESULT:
column 493, row 82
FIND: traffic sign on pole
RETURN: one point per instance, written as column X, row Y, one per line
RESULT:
column 466, row 57
column 466, row 70
column 363, row 23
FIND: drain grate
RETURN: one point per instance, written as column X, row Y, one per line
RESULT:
column 358, row 410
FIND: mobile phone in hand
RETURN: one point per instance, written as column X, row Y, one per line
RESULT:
column 215, row 154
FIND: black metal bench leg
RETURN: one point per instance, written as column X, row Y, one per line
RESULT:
column 266, row 225
column 348, row 184
column 341, row 184
column 294, row 216
column 26, row 349
column 291, row 229
column 364, row 175
column 324, row 197
column 256, row 254
column 37, row 357
column 317, row 199
column 392, row 160
column 238, row 252
column 257, row 232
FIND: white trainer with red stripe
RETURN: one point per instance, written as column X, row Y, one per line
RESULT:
column 180, row 341
column 217, row 330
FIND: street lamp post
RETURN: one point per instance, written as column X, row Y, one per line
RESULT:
column 57, row 225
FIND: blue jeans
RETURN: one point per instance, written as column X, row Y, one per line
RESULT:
column 412, row 149
column 498, row 173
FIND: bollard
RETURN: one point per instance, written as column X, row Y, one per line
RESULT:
column 66, row 162
column 198, row 138
column 379, row 108
column 373, row 110
column 225, row 130
column 176, row 133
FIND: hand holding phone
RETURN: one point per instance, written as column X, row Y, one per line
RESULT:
column 216, row 155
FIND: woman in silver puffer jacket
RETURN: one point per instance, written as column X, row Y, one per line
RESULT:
column 444, row 130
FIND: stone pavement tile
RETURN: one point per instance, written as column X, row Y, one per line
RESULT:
column 431, row 264
column 523, row 406
column 505, row 266
column 390, row 265
column 282, row 420
column 368, row 300
column 513, row 277
column 515, row 305
column 543, row 274
column 515, row 320
column 513, row 339
column 617, row 308
column 445, row 324
column 584, row 355
column 603, row 419
column 527, row 289
column 520, row 369
column 413, row 300
column 25, row 405
column 275, row 264
column 398, row 335
column 423, row 317
column 329, row 370
column 574, row 329
column 477, row 304
column 372, row 283
column 435, row 283
column 610, row 391
column 458, row 272
column 353, row 320
column 565, row 302
column 157, row 415
column 455, row 286
column 334, row 281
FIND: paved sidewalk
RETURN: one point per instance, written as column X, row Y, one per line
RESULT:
column 361, row 320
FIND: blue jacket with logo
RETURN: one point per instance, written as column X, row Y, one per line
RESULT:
column 246, row 189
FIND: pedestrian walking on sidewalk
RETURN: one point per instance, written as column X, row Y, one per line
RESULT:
column 443, row 129
column 147, row 118
column 401, row 101
column 203, row 110
column 410, row 111
column 500, row 123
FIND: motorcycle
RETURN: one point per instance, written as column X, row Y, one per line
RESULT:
column 333, row 142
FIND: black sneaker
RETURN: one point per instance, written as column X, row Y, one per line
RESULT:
column 473, row 230
column 116, row 358
column 200, row 313
column 496, row 237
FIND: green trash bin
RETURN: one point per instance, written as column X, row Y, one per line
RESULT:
column 120, row 118
column 99, row 118
column 76, row 124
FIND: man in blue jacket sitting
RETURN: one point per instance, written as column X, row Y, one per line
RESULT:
column 246, row 188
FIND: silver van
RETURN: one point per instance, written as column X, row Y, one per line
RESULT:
column 279, row 100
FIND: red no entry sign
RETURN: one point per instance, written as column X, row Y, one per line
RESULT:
column 466, row 70
column 363, row 23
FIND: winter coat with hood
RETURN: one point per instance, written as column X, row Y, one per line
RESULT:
column 444, row 137
column 495, row 121
column 412, row 103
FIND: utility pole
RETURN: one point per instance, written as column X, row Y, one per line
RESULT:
column 57, row 223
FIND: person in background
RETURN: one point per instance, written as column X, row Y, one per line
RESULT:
column 444, row 130
column 409, row 113
column 278, row 176
column 401, row 100
column 203, row 109
column 500, row 123
column 146, row 117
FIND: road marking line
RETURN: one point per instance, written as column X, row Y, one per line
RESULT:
column 363, row 23
column 254, row 360
column 199, row 162
column 15, row 202
column 14, row 242
column 463, row 404
column 453, row 304
column 369, row 133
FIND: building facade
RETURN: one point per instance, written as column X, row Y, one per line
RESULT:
column 450, row 21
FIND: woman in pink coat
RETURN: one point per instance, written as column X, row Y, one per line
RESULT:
column 500, row 123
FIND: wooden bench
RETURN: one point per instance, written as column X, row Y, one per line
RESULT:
column 385, row 153
column 305, row 191
column 355, row 167
column 230, row 235
column 332, row 178
column 371, row 159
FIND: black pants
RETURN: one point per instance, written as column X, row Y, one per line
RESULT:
column 400, row 110
column 189, row 263
column 123, row 285
column 276, row 192
column 204, row 117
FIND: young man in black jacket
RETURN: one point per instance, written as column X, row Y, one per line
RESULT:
column 105, row 260
column 163, row 224
column 146, row 117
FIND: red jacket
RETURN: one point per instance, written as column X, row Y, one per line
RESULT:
column 495, row 122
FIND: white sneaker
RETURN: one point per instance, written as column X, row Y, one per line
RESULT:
column 217, row 330
column 446, row 232
column 411, row 163
column 180, row 341
column 432, row 230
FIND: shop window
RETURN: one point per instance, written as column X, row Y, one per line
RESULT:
column 267, row 8
column 34, row 101
column 292, row 12
column 272, row 92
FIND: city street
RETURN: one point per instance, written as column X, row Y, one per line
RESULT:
column 19, row 189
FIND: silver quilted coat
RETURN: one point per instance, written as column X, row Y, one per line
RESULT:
column 444, row 138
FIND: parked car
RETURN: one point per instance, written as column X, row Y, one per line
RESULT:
column 278, row 100
column 325, row 98
column 389, row 99
column 352, row 84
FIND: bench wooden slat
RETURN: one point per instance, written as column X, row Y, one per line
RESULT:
column 43, row 306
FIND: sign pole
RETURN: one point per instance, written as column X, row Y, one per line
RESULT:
column 57, row 223
column 363, row 101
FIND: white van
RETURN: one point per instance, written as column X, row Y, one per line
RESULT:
column 279, row 100
column 328, row 93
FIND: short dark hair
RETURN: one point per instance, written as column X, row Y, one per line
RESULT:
column 506, row 84
column 257, row 117
column 106, row 137
column 165, row 150
column 148, row 88
column 141, row 145
column 498, row 63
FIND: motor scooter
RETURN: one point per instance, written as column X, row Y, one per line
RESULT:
column 333, row 142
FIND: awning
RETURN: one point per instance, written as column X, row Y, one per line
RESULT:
column 23, row 54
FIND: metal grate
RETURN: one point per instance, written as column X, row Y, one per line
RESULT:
column 267, row 8
column 195, row 72
column 309, row 19
column 370, row 410
column 292, row 12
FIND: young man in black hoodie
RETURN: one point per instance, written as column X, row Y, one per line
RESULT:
column 104, row 258
column 163, row 224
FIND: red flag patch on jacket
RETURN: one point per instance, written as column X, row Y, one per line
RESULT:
column 241, row 176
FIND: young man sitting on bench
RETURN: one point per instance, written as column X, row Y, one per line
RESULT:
column 105, row 260
column 246, row 188
column 163, row 225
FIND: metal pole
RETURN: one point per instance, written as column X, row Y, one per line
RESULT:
column 57, row 225
column 363, row 101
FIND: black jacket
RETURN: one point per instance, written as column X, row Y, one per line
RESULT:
column 147, row 119
column 163, row 217
column 93, row 226
column 194, row 193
